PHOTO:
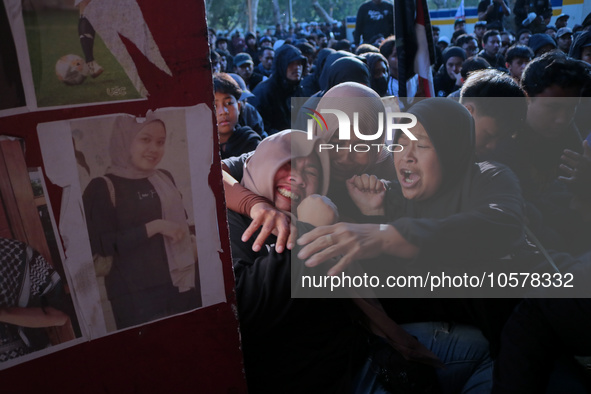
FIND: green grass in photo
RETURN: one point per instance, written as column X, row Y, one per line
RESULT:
column 53, row 34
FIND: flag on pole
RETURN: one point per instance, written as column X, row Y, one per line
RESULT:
column 461, row 13
column 414, row 45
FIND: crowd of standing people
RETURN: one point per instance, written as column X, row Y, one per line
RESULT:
column 500, row 175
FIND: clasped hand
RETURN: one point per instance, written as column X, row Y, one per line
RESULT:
column 348, row 242
column 577, row 168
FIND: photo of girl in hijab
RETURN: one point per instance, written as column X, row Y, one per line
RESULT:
column 135, row 215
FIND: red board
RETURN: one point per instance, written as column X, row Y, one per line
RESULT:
column 195, row 352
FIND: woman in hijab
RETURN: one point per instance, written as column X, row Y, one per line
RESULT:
column 349, row 98
column 379, row 71
column 290, row 345
column 330, row 59
column 296, row 345
column 444, row 213
column 448, row 78
column 347, row 69
column 581, row 47
column 440, row 188
column 135, row 214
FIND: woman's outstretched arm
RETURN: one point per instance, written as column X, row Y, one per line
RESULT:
column 262, row 212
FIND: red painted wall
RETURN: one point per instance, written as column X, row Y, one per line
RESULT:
column 196, row 352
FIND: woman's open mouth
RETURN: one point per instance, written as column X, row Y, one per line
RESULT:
column 288, row 194
column 408, row 178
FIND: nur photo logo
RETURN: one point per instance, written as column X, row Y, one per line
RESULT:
column 387, row 122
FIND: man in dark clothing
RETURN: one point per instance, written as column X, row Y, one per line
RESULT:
column 491, row 43
column 561, row 21
column 244, row 66
column 518, row 56
column 459, row 24
column 374, row 17
column 479, row 30
column 496, row 103
column 553, row 83
column 564, row 39
column 540, row 10
column 493, row 10
column 266, row 41
column 252, row 48
column 265, row 66
column 469, row 44
column 280, row 34
column 273, row 96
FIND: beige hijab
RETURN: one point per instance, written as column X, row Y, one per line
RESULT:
column 275, row 151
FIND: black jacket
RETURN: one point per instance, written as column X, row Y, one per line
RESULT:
column 243, row 140
column 290, row 345
column 443, row 83
column 311, row 84
column 498, row 61
column 273, row 96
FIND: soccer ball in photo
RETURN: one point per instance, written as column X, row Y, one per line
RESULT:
column 71, row 69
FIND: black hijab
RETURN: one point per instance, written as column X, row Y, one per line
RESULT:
column 472, row 220
column 380, row 84
column 330, row 59
column 579, row 42
column 320, row 61
column 477, row 204
column 348, row 69
column 451, row 130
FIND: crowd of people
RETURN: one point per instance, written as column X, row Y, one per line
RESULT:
column 500, row 174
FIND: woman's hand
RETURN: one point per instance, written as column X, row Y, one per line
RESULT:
column 272, row 221
column 367, row 192
column 318, row 211
column 347, row 241
column 577, row 167
column 458, row 77
column 351, row 242
column 175, row 231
